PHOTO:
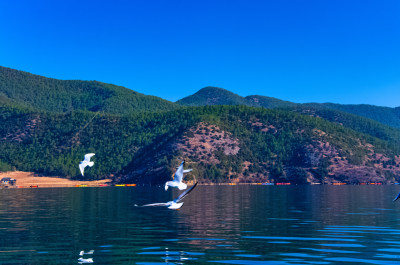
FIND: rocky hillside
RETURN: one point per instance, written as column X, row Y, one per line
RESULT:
column 251, row 145
column 221, row 143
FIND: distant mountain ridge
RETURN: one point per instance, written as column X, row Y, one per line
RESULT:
column 385, row 115
column 26, row 90
column 220, row 96
column 212, row 96
column 55, row 95
column 268, row 102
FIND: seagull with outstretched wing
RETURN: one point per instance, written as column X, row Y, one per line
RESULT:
column 86, row 162
column 81, row 253
column 84, row 261
column 175, row 204
column 178, row 177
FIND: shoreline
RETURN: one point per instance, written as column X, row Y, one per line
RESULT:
column 30, row 180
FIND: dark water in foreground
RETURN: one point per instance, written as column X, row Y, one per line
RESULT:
column 254, row 225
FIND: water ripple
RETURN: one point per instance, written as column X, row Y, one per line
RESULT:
column 300, row 238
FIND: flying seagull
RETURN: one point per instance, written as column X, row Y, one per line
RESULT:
column 175, row 204
column 83, row 261
column 177, row 182
column 86, row 253
column 86, row 162
column 397, row 197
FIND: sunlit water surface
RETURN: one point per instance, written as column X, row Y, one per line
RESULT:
column 254, row 225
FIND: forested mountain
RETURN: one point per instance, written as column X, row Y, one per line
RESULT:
column 351, row 121
column 212, row 96
column 221, row 143
column 385, row 115
column 268, row 102
column 220, row 96
column 25, row 90
column 55, row 95
column 47, row 125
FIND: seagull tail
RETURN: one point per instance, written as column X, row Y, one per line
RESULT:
column 90, row 164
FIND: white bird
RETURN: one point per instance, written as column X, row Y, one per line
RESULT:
column 175, row 204
column 82, row 260
column 86, row 162
column 178, row 177
column 86, row 253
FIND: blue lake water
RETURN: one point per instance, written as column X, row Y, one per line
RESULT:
column 253, row 225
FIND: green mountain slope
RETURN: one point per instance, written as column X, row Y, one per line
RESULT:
column 23, row 89
column 67, row 95
column 352, row 121
column 209, row 96
column 385, row 115
column 221, row 143
column 219, row 96
column 268, row 102
column 212, row 96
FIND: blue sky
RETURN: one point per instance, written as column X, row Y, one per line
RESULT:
column 302, row 51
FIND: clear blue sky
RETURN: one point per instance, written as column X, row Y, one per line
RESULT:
column 304, row 51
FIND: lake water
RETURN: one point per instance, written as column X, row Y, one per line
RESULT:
column 253, row 225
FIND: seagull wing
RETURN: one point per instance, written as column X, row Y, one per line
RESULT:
column 185, row 193
column 155, row 204
column 82, row 260
column 88, row 156
column 397, row 197
column 82, row 166
column 179, row 173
